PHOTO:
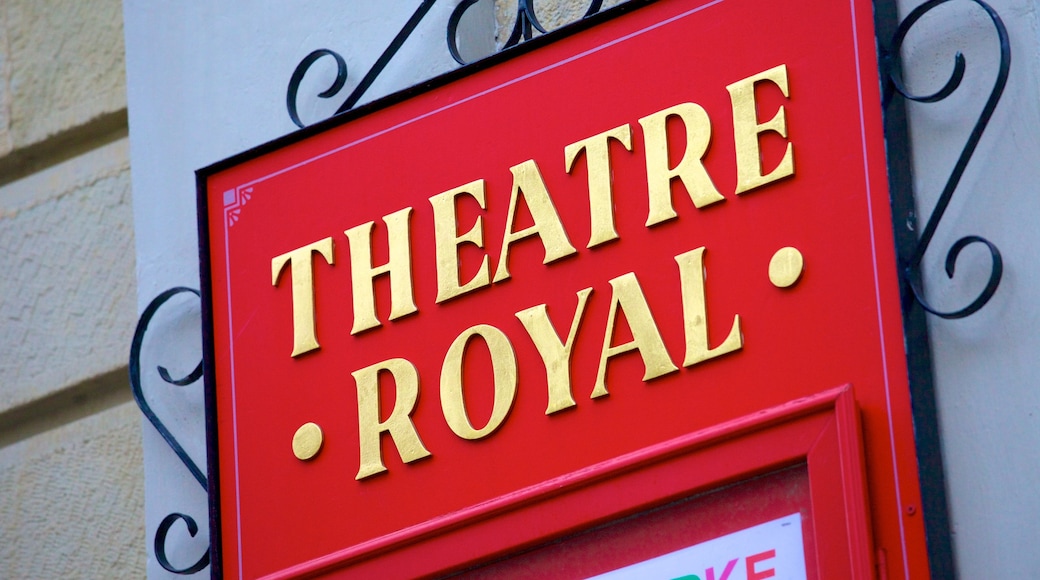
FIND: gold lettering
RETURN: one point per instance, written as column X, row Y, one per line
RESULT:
column 695, row 315
column 556, row 354
column 445, row 229
column 363, row 273
column 399, row 424
column 527, row 181
column 302, row 275
column 628, row 297
column 601, row 196
column 503, row 361
column 746, row 130
column 690, row 169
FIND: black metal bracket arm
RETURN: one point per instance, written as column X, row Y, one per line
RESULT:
column 523, row 29
column 135, row 385
column 892, row 69
column 911, row 248
column 341, row 74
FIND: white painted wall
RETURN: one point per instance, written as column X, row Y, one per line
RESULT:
column 986, row 365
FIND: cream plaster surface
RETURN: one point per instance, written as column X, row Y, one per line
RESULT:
column 551, row 14
column 67, row 300
column 72, row 500
column 71, row 466
column 5, row 92
column 64, row 65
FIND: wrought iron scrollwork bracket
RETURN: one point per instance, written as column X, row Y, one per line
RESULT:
column 136, row 386
column 893, row 71
column 523, row 29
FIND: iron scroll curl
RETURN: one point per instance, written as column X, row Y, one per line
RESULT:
column 912, row 265
column 341, row 65
column 301, row 70
column 168, row 522
column 523, row 29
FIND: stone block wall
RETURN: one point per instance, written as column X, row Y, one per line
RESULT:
column 71, row 475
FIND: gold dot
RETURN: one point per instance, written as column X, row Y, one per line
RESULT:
column 785, row 267
column 306, row 443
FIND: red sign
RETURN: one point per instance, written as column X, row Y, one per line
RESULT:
column 635, row 264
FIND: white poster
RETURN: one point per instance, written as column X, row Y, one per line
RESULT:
column 770, row 550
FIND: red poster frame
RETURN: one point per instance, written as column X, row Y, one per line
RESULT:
column 822, row 431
